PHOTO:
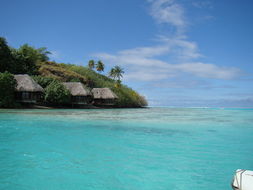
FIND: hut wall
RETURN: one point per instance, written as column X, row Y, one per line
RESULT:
column 29, row 97
column 104, row 101
column 81, row 99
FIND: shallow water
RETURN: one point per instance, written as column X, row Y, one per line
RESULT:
column 129, row 149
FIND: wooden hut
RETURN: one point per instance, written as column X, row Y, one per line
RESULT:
column 79, row 93
column 27, row 90
column 103, row 96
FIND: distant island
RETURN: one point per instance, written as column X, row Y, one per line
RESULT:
column 29, row 79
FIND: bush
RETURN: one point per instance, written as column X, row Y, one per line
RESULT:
column 42, row 81
column 56, row 93
column 7, row 92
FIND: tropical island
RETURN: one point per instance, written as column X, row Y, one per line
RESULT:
column 28, row 78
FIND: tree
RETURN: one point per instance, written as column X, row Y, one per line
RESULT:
column 42, row 81
column 56, row 93
column 43, row 54
column 91, row 64
column 100, row 66
column 7, row 93
column 6, row 58
column 112, row 73
column 28, row 58
column 116, row 73
column 25, row 59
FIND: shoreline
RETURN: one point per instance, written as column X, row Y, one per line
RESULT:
column 71, row 107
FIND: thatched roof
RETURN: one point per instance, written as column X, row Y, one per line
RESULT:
column 26, row 84
column 77, row 89
column 103, row 93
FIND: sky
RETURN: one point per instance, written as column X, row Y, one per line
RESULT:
column 178, row 53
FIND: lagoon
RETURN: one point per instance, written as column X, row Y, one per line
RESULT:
column 129, row 149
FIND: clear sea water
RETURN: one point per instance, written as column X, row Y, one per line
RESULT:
column 124, row 149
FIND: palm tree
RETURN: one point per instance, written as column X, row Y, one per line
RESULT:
column 118, row 72
column 100, row 66
column 112, row 73
column 43, row 52
column 91, row 64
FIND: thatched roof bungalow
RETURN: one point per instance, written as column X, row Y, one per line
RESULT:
column 79, row 93
column 27, row 89
column 104, row 96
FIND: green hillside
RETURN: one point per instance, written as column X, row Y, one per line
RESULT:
column 92, row 79
column 35, row 62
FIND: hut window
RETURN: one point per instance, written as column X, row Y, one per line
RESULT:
column 79, row 98
column 25, row 95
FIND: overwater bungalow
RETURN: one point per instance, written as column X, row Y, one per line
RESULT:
column 79, row 93
column 27, row 90
column 104, row 96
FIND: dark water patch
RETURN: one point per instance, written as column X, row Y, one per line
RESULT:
column 143, row 130
column 250, row 120
column 212, row 131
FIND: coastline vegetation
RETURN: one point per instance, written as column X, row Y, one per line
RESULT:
column 7, row 90
column 56, row 93
column 50, row 75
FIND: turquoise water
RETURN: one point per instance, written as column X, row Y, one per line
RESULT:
column 128, row 149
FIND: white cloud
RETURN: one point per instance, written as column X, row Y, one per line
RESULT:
column 209, row 70
column 145, row 67
column 145, row 63
column 146, row 75
column 181, row 83
column 167, row 11
column 202, row 4
column 182, row 47
column 147, row 51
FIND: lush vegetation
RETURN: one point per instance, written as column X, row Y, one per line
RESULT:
column 25, row 59
column 56, row 93
column 43, row 81
column 7, row 92
column 58, row 72
column 6, row 57
column 127, row 96
column 29, row 60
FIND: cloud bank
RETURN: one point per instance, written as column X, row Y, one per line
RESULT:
column 151, row 63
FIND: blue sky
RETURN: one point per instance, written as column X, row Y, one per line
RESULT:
column 175, row 52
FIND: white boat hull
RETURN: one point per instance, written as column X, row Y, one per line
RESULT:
column 243, row 180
